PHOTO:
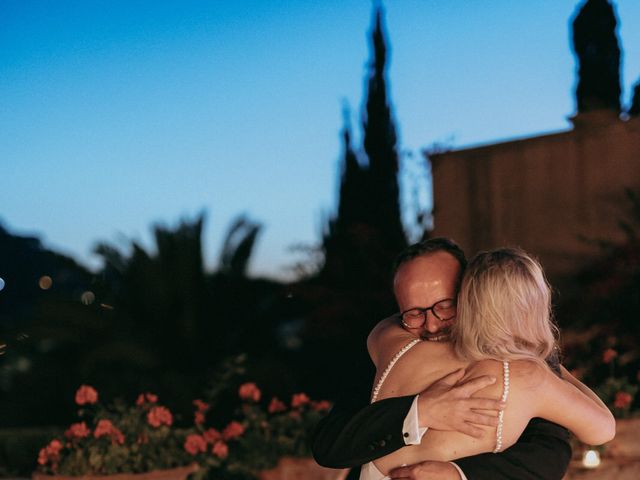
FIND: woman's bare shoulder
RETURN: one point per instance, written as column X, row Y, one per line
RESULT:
column 386, row 338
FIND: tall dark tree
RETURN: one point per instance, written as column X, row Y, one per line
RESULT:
column 380, row 145
column 344, row 234
column 634, row 109
column 596, row 45
column 361, row 241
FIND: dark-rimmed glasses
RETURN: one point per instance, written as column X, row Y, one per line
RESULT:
column 443, row 310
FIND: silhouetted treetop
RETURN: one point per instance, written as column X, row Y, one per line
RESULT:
column 598, row 53
column 634, row 110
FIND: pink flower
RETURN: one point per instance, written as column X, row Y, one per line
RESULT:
column 299, row 399
column 195, row 444
column 146, row 398
column 276, row 406
column 321, row 405
column 250, row 392
column 50, row 453
column 212, row 435
column 198, row 418
column 78, row 430
column 220, row 449
column 86, row 395
column 233, row 430
column 117, row 436
column 623, row 400
column 43, row 459
column 200, row 405
column 608, row 355
column 105, row 428
column 158, row 416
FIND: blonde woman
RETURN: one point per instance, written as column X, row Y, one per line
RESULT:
column 503, row 328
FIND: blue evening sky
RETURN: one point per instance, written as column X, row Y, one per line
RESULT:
column 117, row 114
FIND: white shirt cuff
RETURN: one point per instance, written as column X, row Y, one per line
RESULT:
column 462, row 475
column 411, row 430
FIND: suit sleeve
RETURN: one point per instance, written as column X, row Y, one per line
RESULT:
column 541, row 453
column 351, row 435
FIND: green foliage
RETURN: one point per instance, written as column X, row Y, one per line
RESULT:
column 274, row 430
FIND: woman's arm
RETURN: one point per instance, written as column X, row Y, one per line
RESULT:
column 573, row 405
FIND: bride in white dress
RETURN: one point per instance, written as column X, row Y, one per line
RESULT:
column 502, row 328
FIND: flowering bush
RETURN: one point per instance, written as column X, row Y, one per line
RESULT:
column 272, row 429
column 118, row 438
column 617, row 391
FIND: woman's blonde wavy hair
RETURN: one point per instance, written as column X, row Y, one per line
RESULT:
column 504, row 309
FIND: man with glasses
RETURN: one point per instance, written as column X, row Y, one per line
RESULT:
column 426, row 280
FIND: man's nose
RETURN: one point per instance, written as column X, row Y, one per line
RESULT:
column 432, row 324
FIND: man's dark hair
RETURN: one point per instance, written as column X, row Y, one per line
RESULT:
column 432, row 245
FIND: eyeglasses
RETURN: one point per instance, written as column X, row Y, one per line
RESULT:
column 416, row 317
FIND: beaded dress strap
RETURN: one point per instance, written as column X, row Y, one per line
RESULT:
column 505, row 395
column 396, row 357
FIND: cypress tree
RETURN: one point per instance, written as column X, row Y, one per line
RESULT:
column 596, row 45
column 634, row 110
column 361, row 241
column 380, row 140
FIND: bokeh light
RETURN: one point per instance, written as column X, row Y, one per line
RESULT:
column 87, row 298
column 591, row 459
column 45, row 282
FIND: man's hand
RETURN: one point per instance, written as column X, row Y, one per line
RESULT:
column 448, row 406
column 426, row 470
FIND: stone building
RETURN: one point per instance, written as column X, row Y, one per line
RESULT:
column 546, row 194
column 552, row 193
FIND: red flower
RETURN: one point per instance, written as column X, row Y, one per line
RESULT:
column 77, row 430
column 50, row 453
column 276, row 406
column 146, row 398
column 105, row 428
column 43, row 459
column 198, row 418
column 250, row 392
column 233, row 430
column 200, row 405
column 623, row 400
column 220, row 449
column 117, row 436
column 299, row 399
column 86, row 395
column 321, row 405
column 158, row 416
column 608, row 355
column 195, row 444
column 212, row 435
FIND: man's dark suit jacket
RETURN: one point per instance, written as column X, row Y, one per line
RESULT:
column 351, row 436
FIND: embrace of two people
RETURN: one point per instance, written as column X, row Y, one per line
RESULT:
column 468, row 383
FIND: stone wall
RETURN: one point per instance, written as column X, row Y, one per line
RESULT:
column 543, row 193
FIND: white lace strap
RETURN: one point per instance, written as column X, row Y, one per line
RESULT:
column 396, row 357
column 505, row 395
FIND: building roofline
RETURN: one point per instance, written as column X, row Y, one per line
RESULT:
column 495, row 143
